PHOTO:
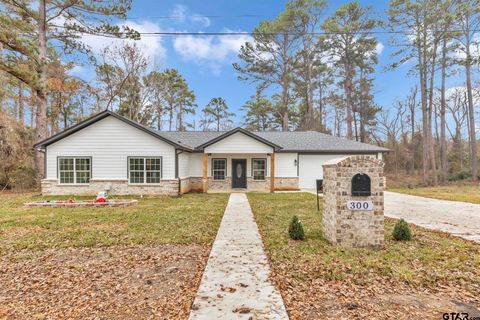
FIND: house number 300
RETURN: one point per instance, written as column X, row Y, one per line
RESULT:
column 359, row 205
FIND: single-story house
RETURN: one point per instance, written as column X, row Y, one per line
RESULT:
column 112, row 153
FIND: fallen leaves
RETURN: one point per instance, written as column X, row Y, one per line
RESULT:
column 118, row 282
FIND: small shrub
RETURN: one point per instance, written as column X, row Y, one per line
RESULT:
column 401, row 231
column 460, row 175
column 295, row 230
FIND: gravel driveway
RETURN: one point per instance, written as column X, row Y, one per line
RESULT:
column 458, row 218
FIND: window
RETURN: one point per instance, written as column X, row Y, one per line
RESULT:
column 259, row 169
column 219, row 169
column 145, row 170
column 74, row 170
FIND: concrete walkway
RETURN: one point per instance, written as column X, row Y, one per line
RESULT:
column 235, row 283
column 458, row 218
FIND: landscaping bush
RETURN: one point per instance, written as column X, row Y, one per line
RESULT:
column 401, row 231
column 295, row 230
column 460, row 175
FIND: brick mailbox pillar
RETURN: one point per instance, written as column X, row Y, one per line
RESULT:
column 353, row 201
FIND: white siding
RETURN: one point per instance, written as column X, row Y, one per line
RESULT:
column 109, row 142
column 310, row 168
column 285, row 165
column 229, row 158
column 238, row 143
column 183, row 165
column 196, row 165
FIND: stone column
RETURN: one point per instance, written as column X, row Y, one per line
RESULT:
column 343, row 223
column 272, row 172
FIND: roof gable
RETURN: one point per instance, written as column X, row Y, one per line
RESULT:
column 238, row 130
column 95, row 118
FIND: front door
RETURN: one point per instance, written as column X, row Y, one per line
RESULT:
column 239, row 173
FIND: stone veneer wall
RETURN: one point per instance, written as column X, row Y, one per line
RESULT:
column 166, row 187
column 191, row 184
column 117, row 187
column 350, row 228
column 286, row 183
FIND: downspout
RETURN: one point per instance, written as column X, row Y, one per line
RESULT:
column 176, row 171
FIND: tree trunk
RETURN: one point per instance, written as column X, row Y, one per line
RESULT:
column 21, row 104
column 320, row 107
column 431, row 143
column 179, row 120
column 348, row 101
column 41, row 131
column 285, row 119
column 423, row 96
column 471, row 113
column 443, row 139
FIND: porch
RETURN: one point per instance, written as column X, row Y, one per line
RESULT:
column 224, row 172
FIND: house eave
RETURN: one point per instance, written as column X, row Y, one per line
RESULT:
column 97, row 117
column 202, row 147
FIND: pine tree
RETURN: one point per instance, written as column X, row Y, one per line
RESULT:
column 216, row 112
column 27, row 30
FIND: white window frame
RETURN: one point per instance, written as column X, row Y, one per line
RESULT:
column 74, row 158
column 264, row 170
column 144, row 158
column 224, row 170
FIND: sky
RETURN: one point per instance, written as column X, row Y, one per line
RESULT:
column 206, row 61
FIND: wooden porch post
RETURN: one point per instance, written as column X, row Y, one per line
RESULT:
column 205, row 177
column 272, row 172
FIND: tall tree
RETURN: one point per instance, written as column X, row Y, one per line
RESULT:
column 27, row 30
column 468, row 13
column 309, row 65
column 350, row 41
column 270, row 58
column 177, row 98
column 260, row 113
column 421, row 18
column 216, row 112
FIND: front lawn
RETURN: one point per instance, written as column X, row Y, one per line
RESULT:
column 434, row 273
column 464, row 193
column 137, row 262
column 192, row 218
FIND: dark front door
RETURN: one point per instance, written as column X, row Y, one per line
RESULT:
column 239, row 173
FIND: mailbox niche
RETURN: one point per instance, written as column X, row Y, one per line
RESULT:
column 361, row 185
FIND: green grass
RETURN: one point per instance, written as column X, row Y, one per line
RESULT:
column 192, row 218
column 468, row 193
column 429, row 259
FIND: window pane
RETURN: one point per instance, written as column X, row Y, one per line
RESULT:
column 82, row 164
column 258, row 175
column 152, row 164
column 259, row 169
column 218, row 174
column 153, row 177
column 66, row 176
column 259, row 164
column 66, row 164
column 136, row 177
column 83, row 176
column 219, row 164
column 137, row 164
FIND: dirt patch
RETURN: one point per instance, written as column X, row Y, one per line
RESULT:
column 376, row 300
column 119, row 282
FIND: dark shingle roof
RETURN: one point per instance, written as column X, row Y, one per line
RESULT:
column 307, row 141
